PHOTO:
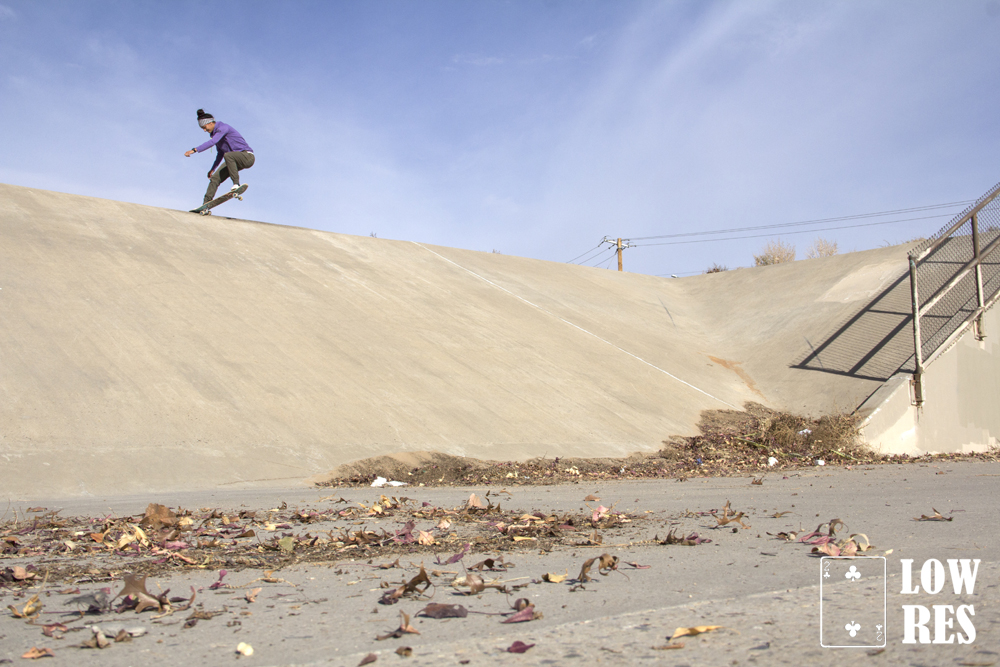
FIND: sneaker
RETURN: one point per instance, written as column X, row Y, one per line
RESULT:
column 236, row 186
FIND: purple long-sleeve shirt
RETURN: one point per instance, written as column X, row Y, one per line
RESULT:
column 225, row 138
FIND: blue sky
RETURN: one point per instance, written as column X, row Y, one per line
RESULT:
column 533, row 128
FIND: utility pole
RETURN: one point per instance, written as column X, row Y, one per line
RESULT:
column 618, row 244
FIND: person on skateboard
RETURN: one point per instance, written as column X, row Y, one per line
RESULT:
column 230, row 146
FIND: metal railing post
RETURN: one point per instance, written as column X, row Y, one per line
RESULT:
column 918, row 374
column 980, row 330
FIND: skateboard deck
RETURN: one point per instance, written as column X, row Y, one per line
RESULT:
column 237, row 194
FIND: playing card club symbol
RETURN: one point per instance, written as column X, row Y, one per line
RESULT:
column 853, row 574
column 853, row 628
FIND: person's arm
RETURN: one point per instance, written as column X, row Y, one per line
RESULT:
column 216, row 138
column 218, row 159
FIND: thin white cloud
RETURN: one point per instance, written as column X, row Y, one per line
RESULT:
column 760, row 113
column 467, row 59
column 7, row 13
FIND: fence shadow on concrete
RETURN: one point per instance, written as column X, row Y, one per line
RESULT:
column 876, row 342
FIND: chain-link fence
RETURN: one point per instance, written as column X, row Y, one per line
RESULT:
column 954, row 278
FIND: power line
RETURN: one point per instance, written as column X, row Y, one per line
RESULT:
column 585, row 253
column 599, row 254
column 600, row 257
column 808, row 222
column 801, row 231
column 593, row 259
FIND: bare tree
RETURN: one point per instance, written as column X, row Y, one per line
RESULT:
column 822, row 248
column 775, row 252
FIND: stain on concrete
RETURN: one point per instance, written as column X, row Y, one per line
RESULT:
column 735, row 366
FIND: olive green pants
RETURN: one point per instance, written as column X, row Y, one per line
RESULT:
column 232, row 163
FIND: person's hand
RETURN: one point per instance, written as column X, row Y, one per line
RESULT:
column 189, row 153
column 210, row 173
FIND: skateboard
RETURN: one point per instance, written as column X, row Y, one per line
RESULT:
column 206, row 209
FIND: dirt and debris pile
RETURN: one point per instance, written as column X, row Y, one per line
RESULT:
column 759, row 438
column 731, row 442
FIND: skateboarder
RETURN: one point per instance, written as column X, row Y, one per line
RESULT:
column 230, row 146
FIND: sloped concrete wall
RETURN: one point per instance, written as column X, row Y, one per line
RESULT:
column 149, row 349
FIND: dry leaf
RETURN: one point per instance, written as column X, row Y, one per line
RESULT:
column 723, row 520
column 98, row 640
column 518, row 647
column 404, row 628
column 691, row 632
column 50, row 630
column 425, row 538
column 412, row 587
column 438, row 610
column 34, row 653
column 136, row 587
column 591, row 498
column 252, row 594
column 667, row 647
column 31, row 608
column 607, row 564
column 492, row 565
column 934, row 517
column 158, row 516
column 526, row 614
column 368, row 659
column 475, row 503
column 404, row 651
column 457, row 557
column 475, row 583
column 555, row 578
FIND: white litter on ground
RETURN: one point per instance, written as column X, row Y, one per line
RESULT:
column 382, row 481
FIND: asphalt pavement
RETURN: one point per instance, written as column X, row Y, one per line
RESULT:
column 764, row 593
